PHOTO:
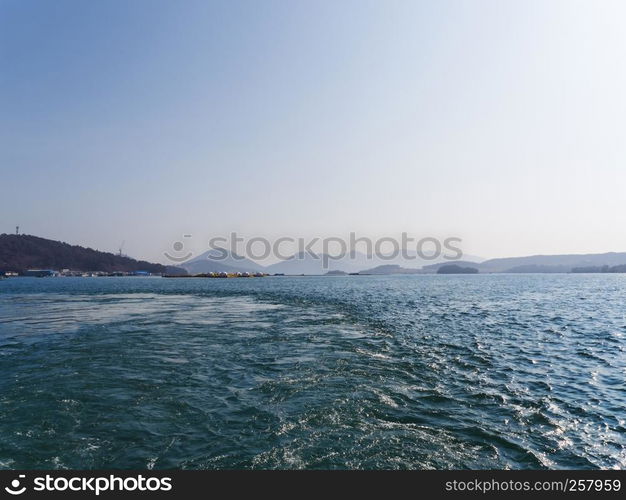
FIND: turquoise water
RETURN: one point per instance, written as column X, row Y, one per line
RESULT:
column 487, row 371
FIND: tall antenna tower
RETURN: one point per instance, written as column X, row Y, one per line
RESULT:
column 121, row 248
column 17, row 230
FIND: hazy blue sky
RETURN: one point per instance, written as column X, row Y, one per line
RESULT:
column 501, row 122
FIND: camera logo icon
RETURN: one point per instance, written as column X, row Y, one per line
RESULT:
column 15, row 489
column 178, row 248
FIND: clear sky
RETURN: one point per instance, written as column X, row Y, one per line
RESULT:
column 501, row 122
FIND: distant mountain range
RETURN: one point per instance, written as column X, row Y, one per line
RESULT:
column 541, row 263
column 223, row 261
column 304, row 263
column 22, row 252
column 216, row 261
column 19, row 253
column 391, row 269
column 359, row 263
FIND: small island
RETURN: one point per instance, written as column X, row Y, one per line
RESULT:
column 455, row 269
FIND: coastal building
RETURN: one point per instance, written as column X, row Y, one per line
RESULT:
column 140, row 273
column 41, row 273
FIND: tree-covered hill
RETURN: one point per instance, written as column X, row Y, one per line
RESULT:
column 21, row 252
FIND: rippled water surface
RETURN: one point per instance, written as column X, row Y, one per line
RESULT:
column 488, row 371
